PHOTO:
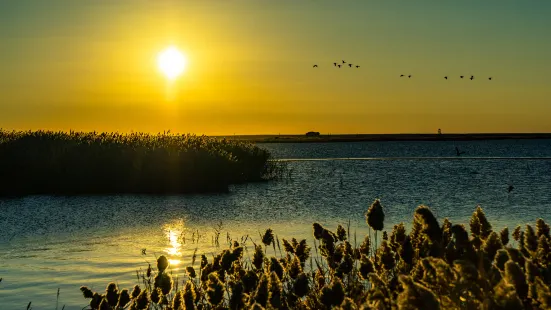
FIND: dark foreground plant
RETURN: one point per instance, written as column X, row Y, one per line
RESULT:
column 434, row 266
column 45, row 162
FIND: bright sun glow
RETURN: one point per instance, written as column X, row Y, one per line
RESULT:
column 172, row 62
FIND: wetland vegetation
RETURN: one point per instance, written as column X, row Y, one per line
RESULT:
column 61, row 163
column 436, row 265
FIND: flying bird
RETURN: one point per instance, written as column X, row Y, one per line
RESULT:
column 490, row 78
column 350, row 65
column 335, row 64
column 472, row 77
column 343, row 62
column 357, row 66
column 461, row 76
column 510, row 188
column 401, row 75
column 143, row 251
column 446, row 77
column 315, row 66
column 339, row 66
column 409, row 76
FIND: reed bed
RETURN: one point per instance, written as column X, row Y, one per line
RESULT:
column 437, row 265
column 47, row 162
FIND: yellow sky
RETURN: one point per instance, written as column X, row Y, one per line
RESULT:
column 92, row 66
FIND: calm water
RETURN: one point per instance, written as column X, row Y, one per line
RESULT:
column 48, row 243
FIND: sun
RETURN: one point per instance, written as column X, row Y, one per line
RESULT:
column 171, row 62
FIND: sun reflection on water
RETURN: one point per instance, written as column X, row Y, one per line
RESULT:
column 174, row 233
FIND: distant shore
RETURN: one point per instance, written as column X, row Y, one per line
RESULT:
column 384, row 137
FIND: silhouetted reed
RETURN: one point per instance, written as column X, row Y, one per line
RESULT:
column 434, row 266
column 46, row 162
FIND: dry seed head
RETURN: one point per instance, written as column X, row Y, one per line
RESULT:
column 301, row 285
column 504, row 236
column 375, row 215
column 542, row 228
column 162, row 263
column 515, row 276
column 124, row 299
column 189, row 295
column 341, row 233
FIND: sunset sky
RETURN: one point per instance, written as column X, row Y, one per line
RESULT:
column 92, row 65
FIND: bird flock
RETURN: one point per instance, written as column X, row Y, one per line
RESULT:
column 350, row 65
column 339, row 65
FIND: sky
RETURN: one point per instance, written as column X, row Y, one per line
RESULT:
column 92, row 65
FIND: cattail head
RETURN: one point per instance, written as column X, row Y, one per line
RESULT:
column 276, row 291
column 318, row 230
column 301, row 285
column 516, row 233
column 288, row 247
column 365, row 247
column 386, row 256
column 341, row 233
column 501, row 258
column 530, row 239
column 492, row 245
column 87, row 292
column 156, row 295
column 375, row 215
column 164, row 282
column 191, row 272
column 104, row 305
column 135, row 291
column 416, row 296
column 250, row 279
column 258, row 257
column 544, row 250
column 515, row 276
column 189, row 295
column 142, row 301
column 204, row 261
column 406, row 251
column 542, row 228
column 302, row 251
column 162, row 263
column 112, row 294
column 124, row 299
column 178, row 301
column 397, row 236
column 543, row 293
column 295, row 268
column 431, row 228
column 262, row 292
column 268, row 237
column 531, row 270
column 485, row 226
column 275, row 266
column 366, row 267
column 504, row 236
column 237, row 298
column 215, row 289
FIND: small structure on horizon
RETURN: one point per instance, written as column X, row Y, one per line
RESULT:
column 439, row 131
column 312, row 134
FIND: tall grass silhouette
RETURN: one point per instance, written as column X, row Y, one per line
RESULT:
column 434, row 266
column 47, row 162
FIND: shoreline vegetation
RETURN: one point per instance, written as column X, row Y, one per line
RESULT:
column 437, row 265
column 75, row 163
column 384, row 137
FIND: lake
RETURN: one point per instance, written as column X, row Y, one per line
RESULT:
column 48, row 243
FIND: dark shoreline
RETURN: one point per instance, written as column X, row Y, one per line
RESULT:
column 385, row 137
